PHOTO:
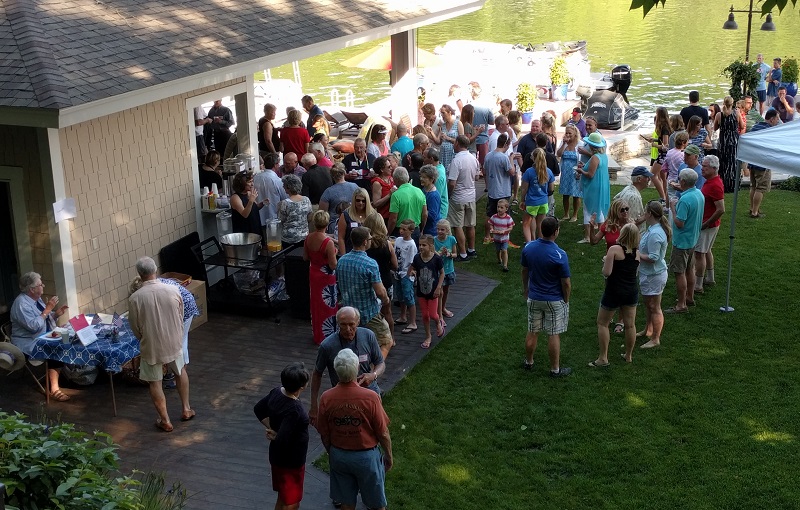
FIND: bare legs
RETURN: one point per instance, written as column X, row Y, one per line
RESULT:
column 628, row 316
column 576, row 204
column 658, row 183
column 553, row 349
column 702, row 262
column 528, row 227
column 160, row 401
column 655, row 321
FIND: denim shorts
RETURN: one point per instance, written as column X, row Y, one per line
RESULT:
column 449, row 279
column 354, row 471
column 407, row 296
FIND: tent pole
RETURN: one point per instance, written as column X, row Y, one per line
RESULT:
column 728, row 307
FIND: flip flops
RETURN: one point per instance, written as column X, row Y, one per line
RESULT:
column 425, row 345
column 408, row 329
column 595, row 364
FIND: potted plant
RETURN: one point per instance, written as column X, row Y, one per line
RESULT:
column 559, row 78
column 744, row 79
column 790, row 72
column 526, row 98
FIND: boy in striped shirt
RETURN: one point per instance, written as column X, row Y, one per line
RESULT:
column 501, row 224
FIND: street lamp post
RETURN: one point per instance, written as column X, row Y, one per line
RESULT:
column 767, row 26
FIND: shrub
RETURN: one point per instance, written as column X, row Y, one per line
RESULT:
column 56, row 467
column 790, row 184
column 790, row 70
column 526, row 97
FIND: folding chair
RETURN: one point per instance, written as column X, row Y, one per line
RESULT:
column 5, row 331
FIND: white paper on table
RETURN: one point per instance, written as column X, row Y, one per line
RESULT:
column 105, row 318
column 87, row 336
column 65, row 209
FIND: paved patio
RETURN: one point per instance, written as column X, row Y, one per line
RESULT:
column 221, row 456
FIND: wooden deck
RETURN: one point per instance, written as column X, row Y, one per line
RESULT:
column 221, row 456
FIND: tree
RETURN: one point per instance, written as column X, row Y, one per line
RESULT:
column 766, row 5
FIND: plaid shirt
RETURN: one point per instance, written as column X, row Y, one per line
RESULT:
column 355, row 274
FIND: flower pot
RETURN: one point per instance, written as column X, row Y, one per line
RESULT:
column 527, row 117
column 559, row 92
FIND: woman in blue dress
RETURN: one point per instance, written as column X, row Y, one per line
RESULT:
column 568, row 186
column 445, row 133
column 595, row 184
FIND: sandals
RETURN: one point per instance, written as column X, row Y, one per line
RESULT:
column 448, row 314
column 441, row 329
column 426, row 344
column 400, row 322
column 166, row 427
column 59, row 396
column 619, row 328
column 595, row 364
column 408, row 329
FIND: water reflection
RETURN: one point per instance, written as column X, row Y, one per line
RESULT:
column 670, row 51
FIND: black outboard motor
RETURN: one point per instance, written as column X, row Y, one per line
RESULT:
column 621, row 77
column 610, row 110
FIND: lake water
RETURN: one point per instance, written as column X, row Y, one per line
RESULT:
column 674, row 50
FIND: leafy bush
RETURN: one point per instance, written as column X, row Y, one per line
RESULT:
column 526, row 97
column 57, row 467
column 790, row 70
column 744, row 79
column 790, row 184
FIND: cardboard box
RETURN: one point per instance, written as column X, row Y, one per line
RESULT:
column 183, row 279
column 198, row 290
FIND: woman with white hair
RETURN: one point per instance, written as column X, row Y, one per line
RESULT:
column 31, row 318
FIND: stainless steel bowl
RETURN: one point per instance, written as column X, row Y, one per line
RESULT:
column 241, row 248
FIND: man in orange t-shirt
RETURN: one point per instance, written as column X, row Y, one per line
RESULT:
column 352, row 423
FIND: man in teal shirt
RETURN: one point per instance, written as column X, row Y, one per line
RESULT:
column 687, row 219
column 404, row 144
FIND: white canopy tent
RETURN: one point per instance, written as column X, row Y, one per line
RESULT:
column 776, row 148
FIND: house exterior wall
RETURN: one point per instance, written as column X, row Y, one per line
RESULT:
column 20, row 148
column 131, row 175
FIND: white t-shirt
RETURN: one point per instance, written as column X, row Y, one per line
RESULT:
column 463, row 169
column 405, row 251
column 199, row 114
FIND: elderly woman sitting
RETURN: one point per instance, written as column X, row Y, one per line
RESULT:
column 31, row 318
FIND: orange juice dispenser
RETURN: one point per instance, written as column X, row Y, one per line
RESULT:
column 274, row 232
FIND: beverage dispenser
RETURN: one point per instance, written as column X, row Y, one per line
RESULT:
column 274, row 233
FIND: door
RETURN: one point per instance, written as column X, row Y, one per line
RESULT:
column 9, row 277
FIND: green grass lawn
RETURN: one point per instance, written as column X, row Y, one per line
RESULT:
column 707, row 420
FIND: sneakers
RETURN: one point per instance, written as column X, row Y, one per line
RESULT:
column 462, row 259
column 472, row 254
column 583, row 241
column 562, row 372
column 505, row 269
column 526, row 365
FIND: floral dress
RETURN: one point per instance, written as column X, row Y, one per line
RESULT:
column 568, row 186
column 728, row 140
column 322, row 280
column 446, row 150
column 294, row 219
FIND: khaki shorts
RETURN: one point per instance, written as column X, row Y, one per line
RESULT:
column 148, row 372
column 681, row 260
column 551, row 317
column 380, row 327
column 461, row 215
column 706, row 240
column 761, row 179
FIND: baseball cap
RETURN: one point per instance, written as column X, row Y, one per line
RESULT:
column 641, row 170
column 692, row 149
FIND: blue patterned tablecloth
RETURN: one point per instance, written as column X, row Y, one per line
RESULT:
column 106, row 353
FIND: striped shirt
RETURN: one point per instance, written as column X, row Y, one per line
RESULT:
column 501, row 224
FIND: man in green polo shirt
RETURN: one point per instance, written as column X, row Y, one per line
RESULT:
column 407, row 203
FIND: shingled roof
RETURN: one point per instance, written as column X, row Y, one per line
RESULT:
column 56, row 54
